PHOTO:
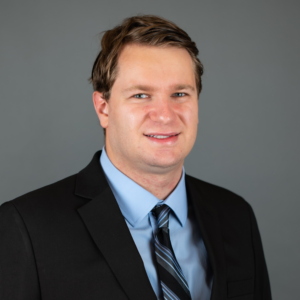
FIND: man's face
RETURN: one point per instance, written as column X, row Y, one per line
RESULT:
column 152, row 115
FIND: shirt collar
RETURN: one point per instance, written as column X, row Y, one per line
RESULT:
column 134, row 201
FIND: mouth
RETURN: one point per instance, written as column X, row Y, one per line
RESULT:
column 163, row 137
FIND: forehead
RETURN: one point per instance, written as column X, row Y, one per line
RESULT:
column 158, row 66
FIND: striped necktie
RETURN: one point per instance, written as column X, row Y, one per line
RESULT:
column 173, row 283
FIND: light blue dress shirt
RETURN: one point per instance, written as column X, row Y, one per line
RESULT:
column 136, row 204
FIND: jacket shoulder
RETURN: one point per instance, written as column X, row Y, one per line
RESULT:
column 56, row 191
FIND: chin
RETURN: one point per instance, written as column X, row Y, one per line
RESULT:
column 163, row 161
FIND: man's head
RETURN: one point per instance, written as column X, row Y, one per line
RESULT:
column 147, row 79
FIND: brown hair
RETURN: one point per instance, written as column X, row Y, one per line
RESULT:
column 146, row 30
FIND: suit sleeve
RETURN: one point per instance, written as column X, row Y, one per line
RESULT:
column 18, row 273
column 262, row 290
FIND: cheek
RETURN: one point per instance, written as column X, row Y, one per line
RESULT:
column 145, row 110
column 128, row 119
column 189, row 115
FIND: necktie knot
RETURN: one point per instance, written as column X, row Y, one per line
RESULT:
column 161, row 214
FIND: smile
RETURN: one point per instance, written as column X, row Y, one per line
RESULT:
column 161, row 136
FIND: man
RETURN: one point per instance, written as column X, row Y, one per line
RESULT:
column 132, row 224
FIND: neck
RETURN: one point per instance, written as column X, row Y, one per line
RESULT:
column 160, row 182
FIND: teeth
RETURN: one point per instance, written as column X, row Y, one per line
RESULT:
column 160, row 136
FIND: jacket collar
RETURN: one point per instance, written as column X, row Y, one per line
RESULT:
column 108, row 229
column 203, row 199
column 91, row 181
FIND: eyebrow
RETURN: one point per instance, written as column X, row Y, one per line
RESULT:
column 147, row 88
column 184, row 87
column 139, row 87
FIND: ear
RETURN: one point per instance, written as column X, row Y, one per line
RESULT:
column 101, row 107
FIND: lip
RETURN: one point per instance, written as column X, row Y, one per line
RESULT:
column 160, row 133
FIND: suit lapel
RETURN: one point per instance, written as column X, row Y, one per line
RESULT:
column 208, row 221
column 109, row 231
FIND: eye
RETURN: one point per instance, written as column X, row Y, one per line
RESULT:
column 140, row 96
column 180, row 94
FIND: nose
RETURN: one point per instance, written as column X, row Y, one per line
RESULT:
column 162, row 111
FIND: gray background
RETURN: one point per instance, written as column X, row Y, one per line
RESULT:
column 248, row 138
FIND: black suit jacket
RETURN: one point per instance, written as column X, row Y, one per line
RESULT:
column 69, row 241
